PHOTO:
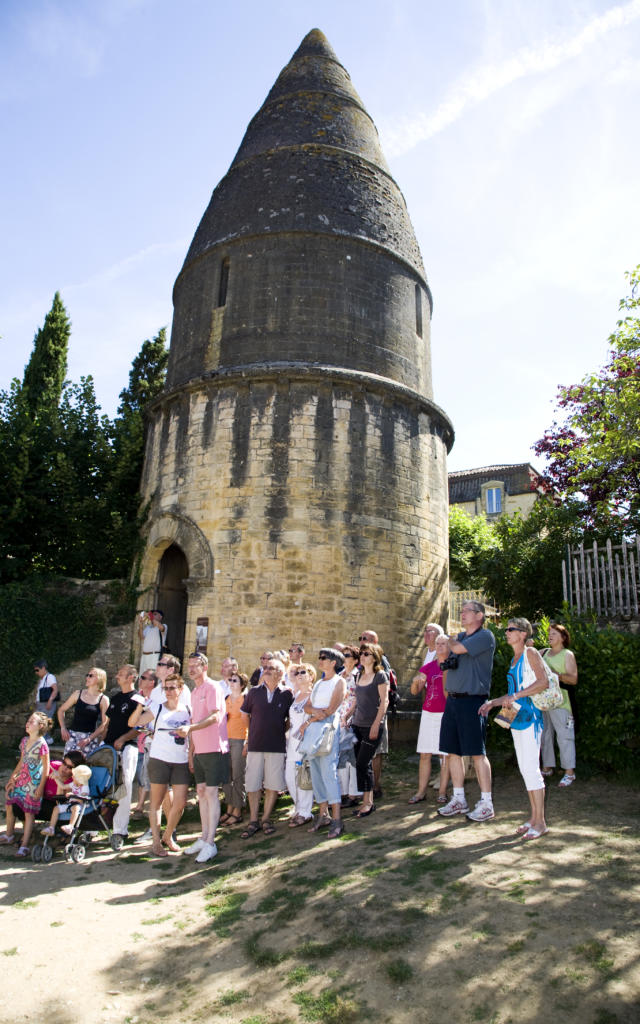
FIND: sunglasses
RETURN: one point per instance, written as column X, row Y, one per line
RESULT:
column 514, row 629
column 163, row 664
column 300, row 672
column 168, row 688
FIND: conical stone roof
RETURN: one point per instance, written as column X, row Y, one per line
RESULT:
column 310, row 161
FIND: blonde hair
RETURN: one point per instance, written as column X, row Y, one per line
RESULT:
column 101, row 678
column 44, row 722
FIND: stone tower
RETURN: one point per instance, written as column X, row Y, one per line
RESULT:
column 296, row 463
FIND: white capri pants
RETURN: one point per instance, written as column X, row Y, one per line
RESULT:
column 527, row 746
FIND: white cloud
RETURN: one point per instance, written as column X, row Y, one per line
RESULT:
column 479, row 86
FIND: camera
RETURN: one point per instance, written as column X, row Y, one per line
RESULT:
column 450, row 662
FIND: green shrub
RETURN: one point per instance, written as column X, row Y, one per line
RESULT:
column 608, row 692
column 44, row 618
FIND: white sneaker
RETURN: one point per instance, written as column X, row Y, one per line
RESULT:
column 481, row 812
column 455, row 806
column 146, row 837
column 208, row 852
column 195, row 847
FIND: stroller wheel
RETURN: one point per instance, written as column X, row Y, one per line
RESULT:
column 67, row 851
column 116, row 842
column 46, row 853
column 77, row 854
column 36, row 854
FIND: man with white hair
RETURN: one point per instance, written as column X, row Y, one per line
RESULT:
column 268, row 710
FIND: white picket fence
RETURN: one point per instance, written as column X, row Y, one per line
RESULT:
column 604, row 580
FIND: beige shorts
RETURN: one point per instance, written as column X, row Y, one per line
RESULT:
column 264, row 770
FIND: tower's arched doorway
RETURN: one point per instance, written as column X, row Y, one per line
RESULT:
column 173, row 570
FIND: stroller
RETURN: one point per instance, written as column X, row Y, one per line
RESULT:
column 96, row 811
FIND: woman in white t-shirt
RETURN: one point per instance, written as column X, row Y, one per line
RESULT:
column 168, row 760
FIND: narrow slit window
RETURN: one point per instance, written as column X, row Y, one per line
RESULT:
column 224, row 281
column 418, row 311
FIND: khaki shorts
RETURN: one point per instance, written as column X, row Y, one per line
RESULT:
column 264, row 770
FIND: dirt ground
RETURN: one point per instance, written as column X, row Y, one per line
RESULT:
column 409, row 917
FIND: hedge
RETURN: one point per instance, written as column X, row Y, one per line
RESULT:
column 608, row 693
column 44, row 618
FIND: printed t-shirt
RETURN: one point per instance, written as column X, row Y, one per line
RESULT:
column 163, row 744
column 434, row 699
column 119, row 712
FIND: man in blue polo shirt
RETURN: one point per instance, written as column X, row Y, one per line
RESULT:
column 463, row 730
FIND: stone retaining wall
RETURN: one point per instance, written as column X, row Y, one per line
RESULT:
column 116, row 650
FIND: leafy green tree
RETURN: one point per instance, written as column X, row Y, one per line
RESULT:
column 594, row 451
column 471, row 540
column 70, row 502
column 523, row 572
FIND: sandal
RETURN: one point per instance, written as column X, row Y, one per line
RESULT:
column 442, row 798
column 522, row 829
column 234, row 819
column 417, row 799
column 547, row 772
column 7, row 840
column 159, row 851
column 250, row 830
column 322, row 821
column 268, row 827
column 224, row 820
column 297, row 820
column 336, row 830
column 566, row 780
column 23, row 851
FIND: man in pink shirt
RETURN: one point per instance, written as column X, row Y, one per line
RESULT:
column 208, row 751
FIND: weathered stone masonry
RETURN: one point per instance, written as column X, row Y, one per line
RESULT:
column 297, row 457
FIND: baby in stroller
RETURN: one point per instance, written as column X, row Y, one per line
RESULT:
column 78, row 793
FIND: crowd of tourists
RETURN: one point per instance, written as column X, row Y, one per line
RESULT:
column 317, row 731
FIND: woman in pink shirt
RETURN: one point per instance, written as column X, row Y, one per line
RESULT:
column 431, row 679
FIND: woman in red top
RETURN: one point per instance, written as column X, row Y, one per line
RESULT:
column 431, row 679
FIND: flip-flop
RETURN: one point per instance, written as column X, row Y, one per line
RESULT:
column 533, row 833
column 523, row 829
column 417, row 799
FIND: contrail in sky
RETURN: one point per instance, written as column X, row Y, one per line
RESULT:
column 493, row 77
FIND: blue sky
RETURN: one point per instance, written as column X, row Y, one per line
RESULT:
column 511, row 127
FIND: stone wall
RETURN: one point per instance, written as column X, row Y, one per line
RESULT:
column 306, row 508
column 113, row 652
